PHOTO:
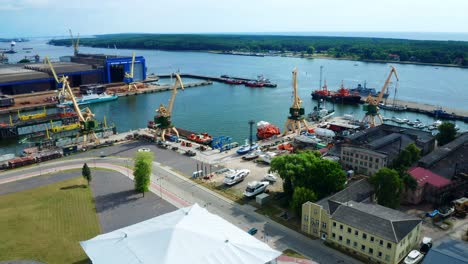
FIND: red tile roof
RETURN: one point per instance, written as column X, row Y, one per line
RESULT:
column 423, row 176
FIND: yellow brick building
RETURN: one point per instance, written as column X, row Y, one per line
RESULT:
column 351, row 222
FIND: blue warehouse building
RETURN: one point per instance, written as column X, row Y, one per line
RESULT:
column 82, row 69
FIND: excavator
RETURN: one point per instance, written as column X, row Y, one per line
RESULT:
column 75, row 42
column 85, row 116
column 162, row 120
column 128, row 78
column 371, row 105
column 296, row 112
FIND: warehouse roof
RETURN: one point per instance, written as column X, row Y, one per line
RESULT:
column 375, row 219
column 12, row 73
column 443, row 151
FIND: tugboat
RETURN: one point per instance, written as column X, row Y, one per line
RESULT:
column 343, row 96
column 266, row 130
column 321, row 94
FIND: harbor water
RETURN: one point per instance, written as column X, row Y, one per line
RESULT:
column 222, row 109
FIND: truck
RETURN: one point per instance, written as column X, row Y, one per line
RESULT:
column 68, row 150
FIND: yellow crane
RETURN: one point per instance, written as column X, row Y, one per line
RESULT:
column 128, row 77
column 86, row 117
column 75, row 42
column 371, row 105
column 62, row 83
column 162, row 120
column 296, row 118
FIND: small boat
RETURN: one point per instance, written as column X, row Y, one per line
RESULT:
column 431, row 127
column 267, row 157
column 266, row 130
column 405, row 120
column 392, row 107
column 413, row 257
column 255, row 187
column 397, row 120
column 252, row 155
column 246, row 148
column 203, row 138
column 91, row 99
column 437, row 123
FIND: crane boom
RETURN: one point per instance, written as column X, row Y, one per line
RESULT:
column 376, row 100
column 71, row 38
column 133, row 64
column 174, row 92
column 47, row 60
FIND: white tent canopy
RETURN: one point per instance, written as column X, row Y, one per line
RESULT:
column 188, row 235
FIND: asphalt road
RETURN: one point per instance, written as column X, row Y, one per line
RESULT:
column 243, row 216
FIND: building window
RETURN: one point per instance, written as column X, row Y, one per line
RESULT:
column 340, row 238
column 304, row 227
column 348, row 241
column 334, row 224
column 317, row 222
column 372, row 239
column 349, row 230
column 315, row 211
column 376, row 160
column 315, row 231
column 354, row 244
column 379, row 254
column 324, row 225
column 371, row 251
column 306, row 218
column 387, row 258
column 370, row 158
column 333, row 235
column 389, row 246
column 364, row 236
column 381, row 242
column 363, row 247
column 341, row 227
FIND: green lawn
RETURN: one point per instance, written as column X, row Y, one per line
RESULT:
column 46, row 223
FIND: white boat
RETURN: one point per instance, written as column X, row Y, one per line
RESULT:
column 437, row 123
column 236, row 176
column 255, row 187
column 413, row 257
column 90, row 99
column 270, row 177
column 253, row 154
column 397, row 120
column 267, row 157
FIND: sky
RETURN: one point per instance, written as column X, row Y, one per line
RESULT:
column 29, row 18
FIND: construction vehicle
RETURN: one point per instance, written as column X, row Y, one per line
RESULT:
column 128, row 77
column 371, row 105
column 86, row 118
column 296, row 121
column 461, row 207
column 75, row 42
column 162, row 120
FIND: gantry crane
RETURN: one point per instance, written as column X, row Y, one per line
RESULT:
column 86, row 117
column 296, row 112
column 75, row 42
column 128, row 78
column 162, row 120
column 62, row 83
column 372, row 103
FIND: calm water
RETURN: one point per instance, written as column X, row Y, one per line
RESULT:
column 222, row 109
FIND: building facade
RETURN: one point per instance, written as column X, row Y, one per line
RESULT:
column 362, row 160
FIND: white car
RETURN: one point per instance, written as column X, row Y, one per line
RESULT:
column 413, row 257
column 255, row 187
column 236, row 176
column 144, row 150
column 270, row 177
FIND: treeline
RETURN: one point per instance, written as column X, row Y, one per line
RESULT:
column 423, row 51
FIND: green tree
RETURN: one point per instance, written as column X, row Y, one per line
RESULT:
column 300, row 196
column 388, row 187
column 406, row 158
column 142, row 171
column 24, row 61
column 310, row 50
column 86, row 173
column 447, row 133
column 307, row 169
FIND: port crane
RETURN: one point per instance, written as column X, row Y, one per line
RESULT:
column 85, row 116
column 75, row 42
column 128, row 77
column 162, row 120
column 296, row 120
column 371, row 105
column 62, row 83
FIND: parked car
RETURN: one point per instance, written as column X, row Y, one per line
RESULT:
column 255, row 187
column 236, row 176
column 413, row 257
column 190, row 153
column 252, row 231
column 426, row 245
column 270, row 177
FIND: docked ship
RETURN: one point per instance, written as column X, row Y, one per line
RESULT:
column 91, row 99
column 363, row 91
column 342, row 96
column 266, row 130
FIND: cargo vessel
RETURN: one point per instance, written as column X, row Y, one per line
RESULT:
column 342, row 96
column 363, row 91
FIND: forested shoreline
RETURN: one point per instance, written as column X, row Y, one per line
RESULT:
column 366, row 49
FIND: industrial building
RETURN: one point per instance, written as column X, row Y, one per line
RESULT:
column 81, row 69
column 368, row 151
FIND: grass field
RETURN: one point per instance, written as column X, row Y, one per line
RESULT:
column 46, row 223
